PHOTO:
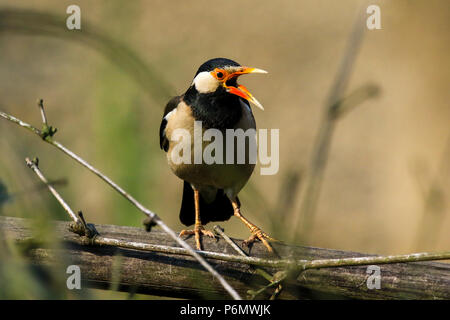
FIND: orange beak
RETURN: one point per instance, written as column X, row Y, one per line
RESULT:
column 240, row 90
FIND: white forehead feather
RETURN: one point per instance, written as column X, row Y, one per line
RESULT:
column 204, row 82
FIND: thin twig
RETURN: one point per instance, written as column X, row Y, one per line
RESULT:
column 363, row 261
column 241, row 252
column 219, row 230
column 33, row 166
column 277, row 283
column 47, row 131
column 41, row 108
column 20, row 123
column 295, row 264
column 143, row 209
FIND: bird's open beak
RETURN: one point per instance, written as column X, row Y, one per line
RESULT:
column 240, row 90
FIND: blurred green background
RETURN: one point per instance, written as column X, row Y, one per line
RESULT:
column 386, row 185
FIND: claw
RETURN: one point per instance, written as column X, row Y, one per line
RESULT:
column 258, row 234
column 197, row 232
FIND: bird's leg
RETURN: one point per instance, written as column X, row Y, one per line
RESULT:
column 198, row 227
column 257, row 233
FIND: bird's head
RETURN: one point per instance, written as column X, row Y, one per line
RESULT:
column 220, row 75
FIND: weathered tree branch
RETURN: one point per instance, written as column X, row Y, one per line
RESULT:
column 291, row 264
column 176, row 275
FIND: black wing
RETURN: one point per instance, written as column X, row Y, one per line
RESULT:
column 163, row 141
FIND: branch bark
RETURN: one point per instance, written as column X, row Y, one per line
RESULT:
column 177, row 275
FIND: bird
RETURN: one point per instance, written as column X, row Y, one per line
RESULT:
column 210, row 191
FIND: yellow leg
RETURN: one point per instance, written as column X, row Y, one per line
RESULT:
column 257, row 233
column 198, row 227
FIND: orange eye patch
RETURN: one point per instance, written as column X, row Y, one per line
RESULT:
column 220, row 74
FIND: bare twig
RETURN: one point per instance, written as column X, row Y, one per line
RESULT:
column 241, row 252
column 20, row 123
column 153, row 217
column 364, row 261
column 47, row 131
column 41, row 108
column 253, row 294
column 33, row 165
column 295, row 264
column 275, row 282
column 219, row 230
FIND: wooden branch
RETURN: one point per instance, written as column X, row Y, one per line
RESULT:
column 174, row 275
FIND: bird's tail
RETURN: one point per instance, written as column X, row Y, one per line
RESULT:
column 218, row 210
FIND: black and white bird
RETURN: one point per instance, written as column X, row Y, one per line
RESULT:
column 211, row 190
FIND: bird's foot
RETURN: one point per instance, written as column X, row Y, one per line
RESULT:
column 197, row 232
column 258, row 234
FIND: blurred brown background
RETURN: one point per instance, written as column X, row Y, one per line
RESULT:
column 386, row 186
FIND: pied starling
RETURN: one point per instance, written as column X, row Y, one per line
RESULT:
column 210, row 190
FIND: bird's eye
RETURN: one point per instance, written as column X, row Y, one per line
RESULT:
column 220, row 74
